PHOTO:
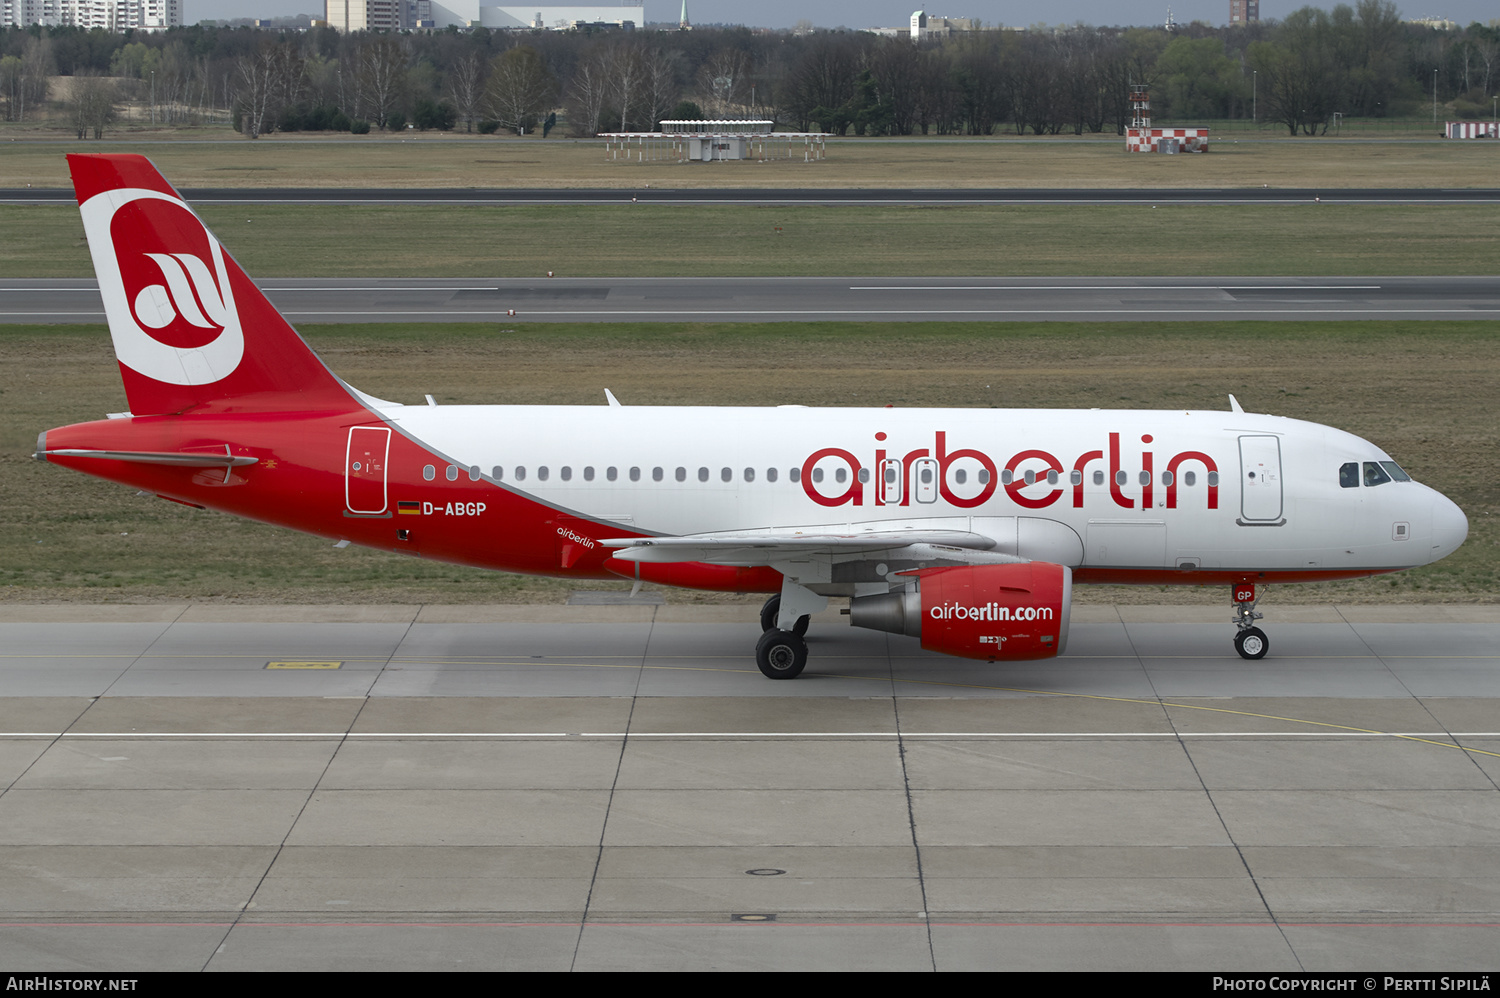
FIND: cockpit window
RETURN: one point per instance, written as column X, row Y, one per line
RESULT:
column 1349, row 475
column 1395, row 471
column 1375, row 474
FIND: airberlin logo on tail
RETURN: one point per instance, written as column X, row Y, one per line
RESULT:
column 189, row 292
column 165, row 286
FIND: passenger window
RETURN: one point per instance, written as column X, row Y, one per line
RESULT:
column 749, row 475
column 428, row 473
column 497, row 473
column 795, row 474
column 1167, row 478
column 474, row 473
column 1213, row 479
column 588, row 473
column 1121, row 478
column 1375, row 474
column 566, row 473
column 656, row 474
column 770, row 474
column 984, row 476
column 613, row 473
column 840, row 474
column 1030, row 478
column 1145, row 478
column 726, row 474
column 864, row 474
column 1098, row 478
column 702, row 474
column 1051, row 476
column 1189, row 478
column 1075, row 477
column 926, row 476
column 1349, row 475
column 452, row 472
column 817, row 474
column 541, row 473
column 520, row 473
column 959, row 476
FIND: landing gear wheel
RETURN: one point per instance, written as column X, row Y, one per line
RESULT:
column 768, row 611
column 771, row 608
column 1252, row 643
column 781, row 654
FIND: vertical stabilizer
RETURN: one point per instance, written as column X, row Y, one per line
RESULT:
column 189, row 327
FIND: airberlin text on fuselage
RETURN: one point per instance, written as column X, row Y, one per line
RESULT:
column 1039, row 463
column 989, row 611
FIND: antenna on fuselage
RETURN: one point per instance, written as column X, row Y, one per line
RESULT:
column 1234, row 404
column 612, row 400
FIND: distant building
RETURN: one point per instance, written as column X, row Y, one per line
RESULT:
column 366, row 15
column 924, row 26
column 1244, row 11
column 110, row 15
column 1435, row 23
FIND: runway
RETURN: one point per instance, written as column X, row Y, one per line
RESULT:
column 749, row 196
column 812, row 299
column 616, row 787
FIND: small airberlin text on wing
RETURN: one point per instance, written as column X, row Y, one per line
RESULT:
column 41, row 982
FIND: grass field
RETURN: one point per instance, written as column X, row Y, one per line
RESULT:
column 217, row 158
column 639, row 240
column 1423, row 391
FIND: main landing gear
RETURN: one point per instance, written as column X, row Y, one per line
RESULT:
column 780, row 654
column 1250, row 641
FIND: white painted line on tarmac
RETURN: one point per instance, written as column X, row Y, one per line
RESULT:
column 146, row 735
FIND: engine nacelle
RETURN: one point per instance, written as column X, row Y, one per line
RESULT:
column 993, row 612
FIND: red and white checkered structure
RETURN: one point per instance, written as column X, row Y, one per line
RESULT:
column 1149, row 139
column 1472, row 130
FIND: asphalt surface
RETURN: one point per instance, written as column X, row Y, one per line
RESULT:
column 616, row 787
column 773, row 299
column 810, row 196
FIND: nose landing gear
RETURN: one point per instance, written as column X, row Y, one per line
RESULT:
column 1250, row 641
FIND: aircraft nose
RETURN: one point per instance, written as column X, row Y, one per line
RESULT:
column 1449, row 527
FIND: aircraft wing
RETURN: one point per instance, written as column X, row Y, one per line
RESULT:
column 769, row 547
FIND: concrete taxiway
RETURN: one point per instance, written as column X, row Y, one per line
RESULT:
column 811, row 299
column 833, row 196
column 617, row 787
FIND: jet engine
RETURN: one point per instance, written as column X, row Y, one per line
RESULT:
column 997, row 612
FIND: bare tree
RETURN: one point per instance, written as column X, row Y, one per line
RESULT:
column 521, row 88
column 466, row 88
column 659, row 90
column 92, row 104
column 627, row 77
column 255, row 88
column 381, row 77
column 587, row 92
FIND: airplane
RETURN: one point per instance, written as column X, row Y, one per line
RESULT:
column 966, row 529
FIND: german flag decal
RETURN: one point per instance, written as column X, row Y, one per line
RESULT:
column 409, row 507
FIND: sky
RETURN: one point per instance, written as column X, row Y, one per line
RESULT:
column 863, row 14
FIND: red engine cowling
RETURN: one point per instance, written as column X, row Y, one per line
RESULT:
column 993, row 612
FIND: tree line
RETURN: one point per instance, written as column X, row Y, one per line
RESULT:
column 1299, row 72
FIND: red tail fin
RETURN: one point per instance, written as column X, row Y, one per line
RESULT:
column 189, row 328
